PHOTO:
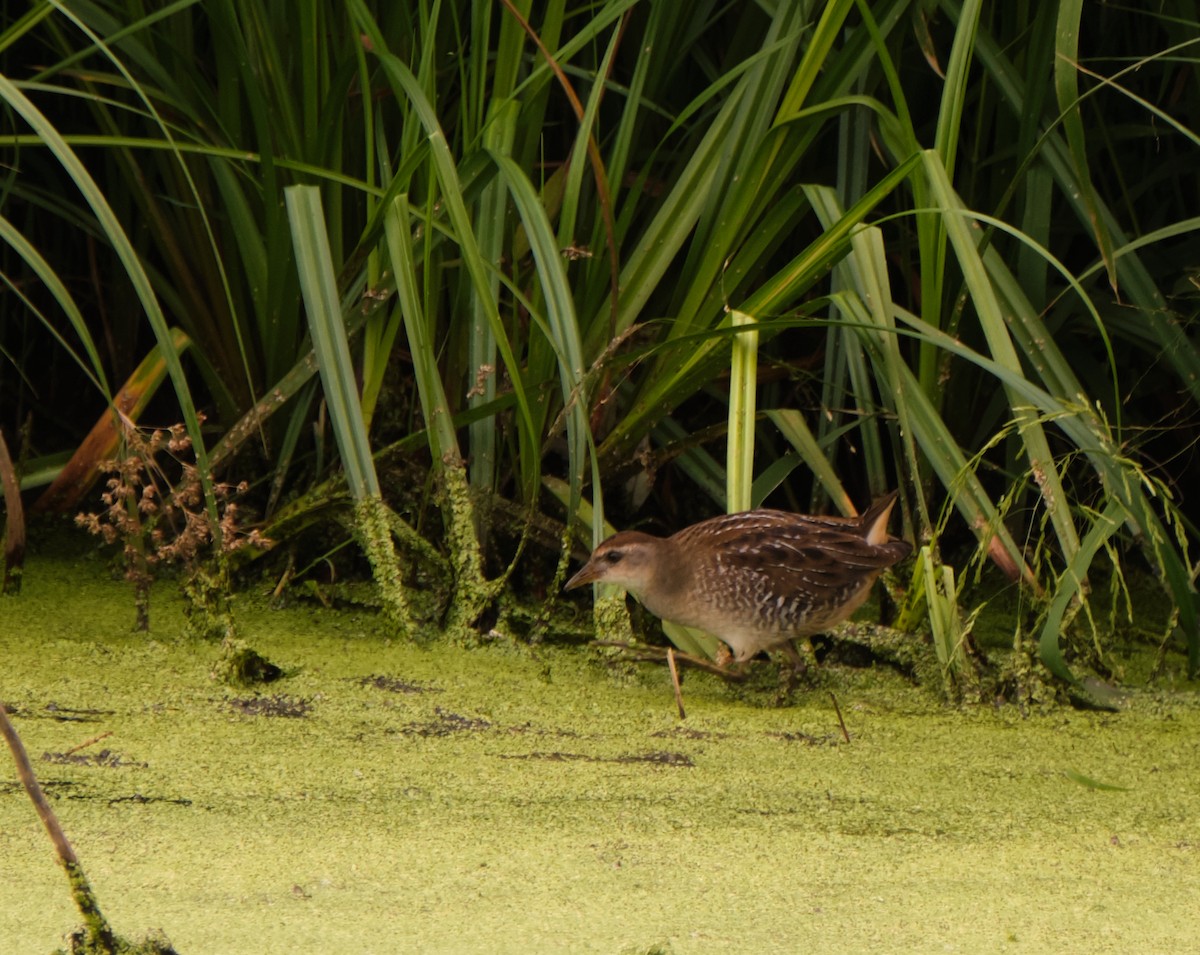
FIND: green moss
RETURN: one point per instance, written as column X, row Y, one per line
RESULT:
column 473, row 592
column 240, row 665
column 611, row 616
column 373, row 526
column 434, row 799
column 208, row 600
column 84, row 942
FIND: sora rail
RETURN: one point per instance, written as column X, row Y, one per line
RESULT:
column 757, row 579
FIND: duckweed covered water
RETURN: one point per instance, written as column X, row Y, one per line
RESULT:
column 386, row 798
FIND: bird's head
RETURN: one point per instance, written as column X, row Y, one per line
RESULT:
column 630, row 559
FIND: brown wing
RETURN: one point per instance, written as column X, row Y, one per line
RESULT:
column 813, row 561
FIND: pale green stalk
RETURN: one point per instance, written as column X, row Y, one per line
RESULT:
column 481, row 351
column 743, row 386
column 472, row 591
column 314, row 262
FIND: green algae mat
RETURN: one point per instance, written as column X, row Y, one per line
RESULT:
column 386, row 798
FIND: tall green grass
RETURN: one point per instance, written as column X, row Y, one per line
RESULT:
column 956, row 227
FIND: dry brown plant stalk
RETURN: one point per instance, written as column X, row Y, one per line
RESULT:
column 159, row 520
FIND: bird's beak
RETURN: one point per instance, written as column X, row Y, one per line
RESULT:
column 589, row 573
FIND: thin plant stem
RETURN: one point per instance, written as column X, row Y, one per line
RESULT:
column 99, row 932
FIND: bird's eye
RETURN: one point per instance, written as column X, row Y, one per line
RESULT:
column 613, row 556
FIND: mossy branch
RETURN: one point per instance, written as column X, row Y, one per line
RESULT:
column 98, row 933
column 96, row 937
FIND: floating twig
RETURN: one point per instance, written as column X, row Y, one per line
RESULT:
column 86, row 743
column 841, row 722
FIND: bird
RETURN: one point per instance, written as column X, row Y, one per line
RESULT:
column 756, row 579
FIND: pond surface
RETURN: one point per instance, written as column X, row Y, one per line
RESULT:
column 385, row 797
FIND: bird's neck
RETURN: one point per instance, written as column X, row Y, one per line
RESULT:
column 668, row 584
